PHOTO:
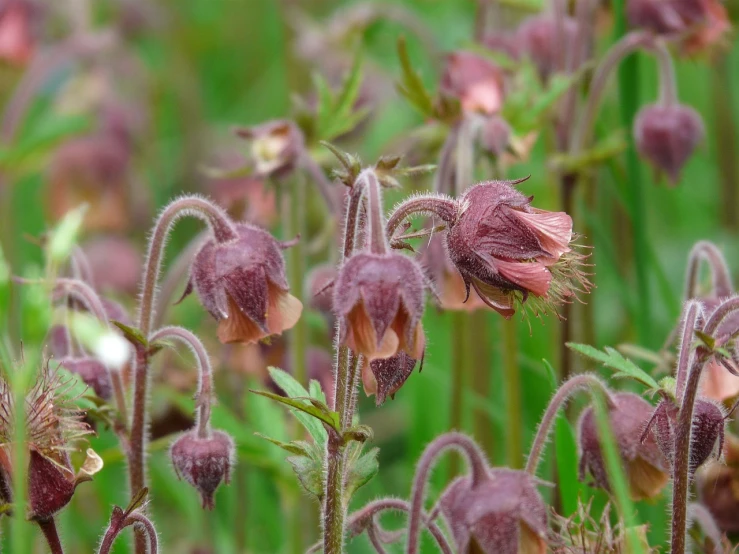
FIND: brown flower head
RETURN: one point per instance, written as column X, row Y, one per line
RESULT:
column 476, row 82
column 667, row 136
column 242, row 284
column 17, row 33
column 203, row 462
column 378, row 299
column 509, row 251
column 276, row 147
column 504, row 514
column 545, row 43
column 645, row 466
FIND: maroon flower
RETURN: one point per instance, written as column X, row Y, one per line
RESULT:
column 378, row 299
column 384, row 377
column 476, row 82
column 242, row 284
column 449, row 286
column 203, row 462
column 508, row 251
column 645, row 466
column 545, row 42
column 504, row 514
column 667, row 136
column 495, row 135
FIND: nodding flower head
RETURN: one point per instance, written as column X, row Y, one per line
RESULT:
column 509, row 251
column 667, row 136
column 504, row 514
column 644, row 464
column 546, row 42
column 378, row 299
column 203, row 461
column 54, row 427
column 276, row 147
column 384, row 377
column 242, row 284
column 448, row 285
column 717, row 382
column 476, row 82
column 17, row 33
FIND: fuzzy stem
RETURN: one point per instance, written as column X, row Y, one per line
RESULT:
column 478, row 473
column 442, row 206
column 48, row 527
column 584, row 381
column 140, row 521
column 205, row 373
column 376, row 231
column 86, row 294
column 514, row 412
column 374, row 538
column 137, row 435
column 721, row 276
column 692, row 313
column 295, row 227
column 667, row 79
column 724, row 310
column 175, row 274
column 681, row 466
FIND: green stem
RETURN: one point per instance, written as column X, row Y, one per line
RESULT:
column 19, row 528
column 295, row 226
column 514, row 431
column 459, row 321
column 727, row 142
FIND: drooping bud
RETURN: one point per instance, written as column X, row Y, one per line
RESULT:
column 667, row 136
column 242, row 284
column 546, row 41
column 495, row 135
column 504, row 514
column 378, row 299
column 645, row 466
column 203, row 462
column 276, row 147
column 509, row 251
column 475, row 81
column 92, row 372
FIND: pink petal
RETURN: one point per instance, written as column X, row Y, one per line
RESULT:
column 532, row 276
column 553, row 229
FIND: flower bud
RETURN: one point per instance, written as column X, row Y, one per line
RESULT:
column 667, row 136
column 495, row 135
column 242, row 284
column 476, row 82
column 51, row 484
column 539, row 38
column 504, row 514
column 203, row 462
column 508, row 251
column 644, row 464
column 276, row 147
column 92, row 372
column 378, row 299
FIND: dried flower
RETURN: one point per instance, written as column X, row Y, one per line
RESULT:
column 504, row 514
column 378, row 299
column 242, row 284
column 644, row 464
column 667, row 136
column 203, row 462
column 508, row 251
column 545, row 41
column 276, row 147
column 476, row 82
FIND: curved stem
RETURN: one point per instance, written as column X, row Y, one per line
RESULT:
column 577, row 383
column 721, row 276
column 81, row 265
column 141, row 520
column 478, row 473
column 692, row 313
column 701, row 515
column 724, row 310
column 374, row 538
column 440, row 205
column 51, row 535
column 667, row 79
column 119, row 524
column 86, row 294
column 376, row 231
column 205, row 372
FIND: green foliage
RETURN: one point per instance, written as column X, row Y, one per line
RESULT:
column 613, row 359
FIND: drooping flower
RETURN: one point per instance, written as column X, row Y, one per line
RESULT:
column 546, row 42
column 449, row 286
column 242, row 284
column 645, row 466
column 667, row 135
column 504, row 514
column 476, row 82
column 509, row 251
column 718, row 487
column 378, row 299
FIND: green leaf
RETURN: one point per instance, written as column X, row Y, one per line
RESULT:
column 299, row 448
column 360, row 471
column 310, row 474
column 138, row 500
column 411, row 86
column 133, row 335
column 329, row 418
column 315, row 390
column 64, row 236
column 612, row 358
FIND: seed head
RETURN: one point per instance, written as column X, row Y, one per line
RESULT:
column 667, row 136
column 203, row 462
column 644, row 464
column 476, row 82
column 242, row 284
column 378, row 299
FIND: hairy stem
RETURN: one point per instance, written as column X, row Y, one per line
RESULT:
column 376, row 231
column 720, row 275
column 478, row 473
column 719, row 315
column 48, row 528
column 428, row 204
column 140, row 522
column 692, row 313
column 584, row 381
column 667, row 80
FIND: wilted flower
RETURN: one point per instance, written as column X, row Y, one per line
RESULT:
column 17, row 40
column 546, row 40
column 53, row 427
column 504, row 514
column 508, row 251
column 276, row 146
column 92, row 372
column 242, row 284
column 203, row 461
column 667, row 136
column 645, row 466
column 378, row 299
column 476, row 82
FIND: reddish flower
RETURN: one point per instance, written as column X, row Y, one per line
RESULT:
column 378, row 299
column 508, row 251
column 545, row 42
column 476, row 82
column 384, row 377
column 717, row 383
column 646, row 469
column 449, row 286
column 17, row 40
column 242, row 284
column 667, row 136
column 504, row 514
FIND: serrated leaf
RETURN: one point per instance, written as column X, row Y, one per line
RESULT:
column 133, row 335
column 613, row 359
column 310, row 474
column 360, row 471
column 299, row 448
column 315, row 390
column 138, row 500
column 411, row 86
column 329, row 418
